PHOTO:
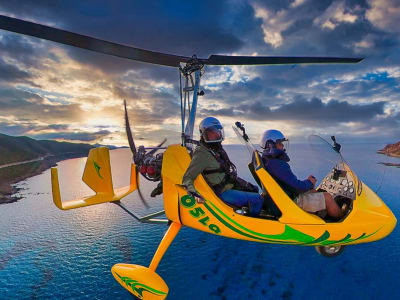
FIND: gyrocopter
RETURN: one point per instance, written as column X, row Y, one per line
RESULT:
column 367, row 219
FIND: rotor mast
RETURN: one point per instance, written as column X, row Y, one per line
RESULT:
column 193, row 68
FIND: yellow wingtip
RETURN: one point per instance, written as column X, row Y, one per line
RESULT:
column 55, row 186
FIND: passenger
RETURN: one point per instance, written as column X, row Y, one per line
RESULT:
column 210, row 159
column 302, row 192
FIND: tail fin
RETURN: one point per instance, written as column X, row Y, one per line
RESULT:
column 97, row 175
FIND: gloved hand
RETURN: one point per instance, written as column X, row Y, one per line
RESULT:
column 198, row 197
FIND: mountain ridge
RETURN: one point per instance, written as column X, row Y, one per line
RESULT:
column 29, row 157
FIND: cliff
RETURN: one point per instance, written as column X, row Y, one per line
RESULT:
column 391, row 150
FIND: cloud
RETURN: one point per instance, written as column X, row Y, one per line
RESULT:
column 384, row 14
column 45, row 86
column 11, row 73
column 312, row 111
column 334, row 15
column 73, row 136
column 273, row 24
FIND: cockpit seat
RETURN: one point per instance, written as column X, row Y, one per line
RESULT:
column 269, row 206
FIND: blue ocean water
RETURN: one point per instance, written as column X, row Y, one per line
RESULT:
column 46, row 253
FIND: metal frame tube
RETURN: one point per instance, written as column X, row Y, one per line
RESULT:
column 192, row 116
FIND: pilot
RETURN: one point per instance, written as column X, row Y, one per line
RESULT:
column 276, row 161
column 210, row 159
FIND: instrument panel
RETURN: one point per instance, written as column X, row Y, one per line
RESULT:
column 339, row 182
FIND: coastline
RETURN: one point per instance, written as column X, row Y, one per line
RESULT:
column 391, row 155
column 24, row 171
column 388, row 154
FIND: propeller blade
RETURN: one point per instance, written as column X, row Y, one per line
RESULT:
column 275, row 60
column 151, row 152
column 89, row 43
column 139, row 191
column 129, row 133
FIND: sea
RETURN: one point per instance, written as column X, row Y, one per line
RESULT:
column 46, row 253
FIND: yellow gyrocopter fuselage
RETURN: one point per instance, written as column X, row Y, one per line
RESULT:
column 368, row 220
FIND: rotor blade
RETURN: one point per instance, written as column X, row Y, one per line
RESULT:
column 139, row 191
column 102, row 46
column 129, row 133
column 275, row 60
column 151, row 152
column 89, row 43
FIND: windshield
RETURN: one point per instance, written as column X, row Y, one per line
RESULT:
column 324, row 153
column 331, row 166
column 250, row 147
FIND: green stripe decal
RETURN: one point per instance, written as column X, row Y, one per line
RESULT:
column 97, row 168
column 133, row 284
column 264, row 239
column 289, row 236
column 323, row 237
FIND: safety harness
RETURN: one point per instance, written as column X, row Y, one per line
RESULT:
column 225, row 166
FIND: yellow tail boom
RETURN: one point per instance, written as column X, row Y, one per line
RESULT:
column 97, row 175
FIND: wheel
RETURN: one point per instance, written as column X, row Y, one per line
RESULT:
column 330, row 251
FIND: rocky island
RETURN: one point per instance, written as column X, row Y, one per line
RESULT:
column 23, row 157
column 391, row 150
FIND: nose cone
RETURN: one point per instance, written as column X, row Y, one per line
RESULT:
column 373, row 213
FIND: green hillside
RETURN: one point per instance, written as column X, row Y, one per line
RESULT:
column 16, row 149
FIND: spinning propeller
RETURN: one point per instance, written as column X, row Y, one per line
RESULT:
column 146, row 163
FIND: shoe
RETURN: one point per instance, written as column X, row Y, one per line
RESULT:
column 157, row 191
column 344, row 208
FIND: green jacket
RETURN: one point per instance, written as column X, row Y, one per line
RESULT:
column 203, row 160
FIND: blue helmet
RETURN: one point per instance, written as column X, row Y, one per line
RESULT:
column 211, row 124
column 271, row 136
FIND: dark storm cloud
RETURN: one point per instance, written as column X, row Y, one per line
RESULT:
column 72, row 136
column 300, row 109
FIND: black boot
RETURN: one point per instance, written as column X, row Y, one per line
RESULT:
column 157, row 191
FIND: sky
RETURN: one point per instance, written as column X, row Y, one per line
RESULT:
column 52, row 91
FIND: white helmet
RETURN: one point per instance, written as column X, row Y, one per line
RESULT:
column 211, row 124
column 271, row 136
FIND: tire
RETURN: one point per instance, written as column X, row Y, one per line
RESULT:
column 330, row 251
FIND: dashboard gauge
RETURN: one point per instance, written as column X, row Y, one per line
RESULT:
column 344, row 182
column 351, row 190
column 351, row 183
column 345, row 188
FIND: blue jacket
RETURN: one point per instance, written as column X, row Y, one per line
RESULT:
column 276, row 163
